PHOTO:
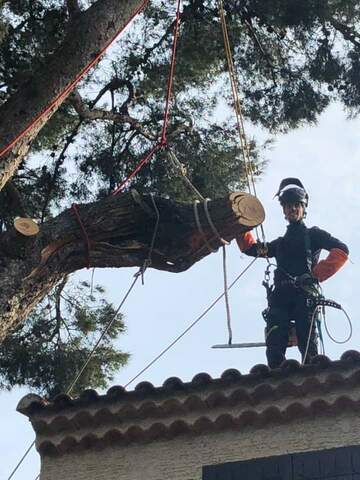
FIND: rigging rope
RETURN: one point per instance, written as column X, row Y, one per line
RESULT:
column 227, row 303
column 181, row 168
column 245, row 150
column 87, row 361
column 164, row 351
column 64, row 93
column 169, row 91
column 197, row 320
column 171, row 75
column 138, row 274
column 161, row 144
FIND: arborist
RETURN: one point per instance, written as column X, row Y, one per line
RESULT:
column 297, row 275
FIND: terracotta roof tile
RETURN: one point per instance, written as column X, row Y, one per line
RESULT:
column 233, row 401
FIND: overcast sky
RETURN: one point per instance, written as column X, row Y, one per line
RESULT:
column 326, row 159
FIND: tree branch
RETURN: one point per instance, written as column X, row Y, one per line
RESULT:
column 262, row 50
column 85, row 113
column 73, row 8
column 88, row 33
column 347, row 32
column 120, row 229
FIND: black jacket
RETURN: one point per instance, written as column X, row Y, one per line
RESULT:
column 290, row 250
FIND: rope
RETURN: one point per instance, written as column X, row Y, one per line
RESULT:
column 227, row 303
column 145, row 160
column 155, row 229
column 148, row 261
column 137, row 275
column 245, row 150
column 196, row 321
column 162, row 142
column 104, row 332
column 154, row 360
column 211, row 223
column 237, row 104
column 182, row 170
column 171, row 75
column 21, row 460
column 86, row 363
column 340, row 342
column 321, row 338
column 84, row 234
column 62, row 95
column 199, row 227
column 92, row 281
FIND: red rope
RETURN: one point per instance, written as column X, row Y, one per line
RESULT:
column 84, row 234
column 72, row 85
column 162, row 143
column 139, row 166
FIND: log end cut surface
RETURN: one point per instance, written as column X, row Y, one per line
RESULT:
column 248, row 209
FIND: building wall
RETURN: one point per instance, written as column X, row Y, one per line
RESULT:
column 183, row 457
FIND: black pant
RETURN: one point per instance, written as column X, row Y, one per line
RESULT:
column 288, row 304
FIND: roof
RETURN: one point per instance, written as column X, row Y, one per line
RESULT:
column 233, row 401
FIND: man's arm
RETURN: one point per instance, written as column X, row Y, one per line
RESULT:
column 338, row 254
column 248, row 245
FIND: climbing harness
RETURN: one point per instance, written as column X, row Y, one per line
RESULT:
column 315, row 301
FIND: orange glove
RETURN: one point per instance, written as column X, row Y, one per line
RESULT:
column 245, row 241
column 330, row 265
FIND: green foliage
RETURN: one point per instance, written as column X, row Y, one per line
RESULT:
column 293, row 58
column 47, row 353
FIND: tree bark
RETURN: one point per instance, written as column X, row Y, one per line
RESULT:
column 88, row 33
column 121, row 230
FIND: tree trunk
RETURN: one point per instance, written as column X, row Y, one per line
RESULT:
column 121, row 231
column 88, row 33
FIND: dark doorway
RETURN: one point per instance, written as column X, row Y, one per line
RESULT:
column 335, row 464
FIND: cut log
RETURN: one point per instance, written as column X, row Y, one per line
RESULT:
column 120, row 229
column 26, row 226
column 248, row 208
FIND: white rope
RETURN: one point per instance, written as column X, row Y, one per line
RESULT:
column 340, row 342
column 211, row 223
column 197, row 320
column 180, row 167
column 139, row 273
column 227, row 303
column 199, row 227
